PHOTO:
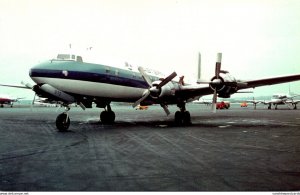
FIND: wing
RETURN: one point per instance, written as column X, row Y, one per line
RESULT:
column 270, row 81
column 292, row 101
column 191, row 91
column 255, row 101
column 16, row 86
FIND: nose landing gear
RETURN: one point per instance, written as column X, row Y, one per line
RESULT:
column 107, row 116
column 63, row 120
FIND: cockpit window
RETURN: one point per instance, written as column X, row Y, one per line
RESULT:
column 64, row 57
column 69, row 57
column 79, row 59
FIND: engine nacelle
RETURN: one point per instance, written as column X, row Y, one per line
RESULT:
column 225, row 85
column 46, row 90
column 167, row 90
column 164, row 91
column 226, row 91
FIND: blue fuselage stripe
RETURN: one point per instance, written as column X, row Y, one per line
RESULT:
column 89, row 72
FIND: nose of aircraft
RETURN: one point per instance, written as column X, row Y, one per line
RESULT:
column 40, row 71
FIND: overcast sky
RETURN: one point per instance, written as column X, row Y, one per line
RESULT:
column 257, row 38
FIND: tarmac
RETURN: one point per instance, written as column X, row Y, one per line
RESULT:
column 239, row 149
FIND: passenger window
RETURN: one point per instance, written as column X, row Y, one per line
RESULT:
column 79, row 59
column 107, row 71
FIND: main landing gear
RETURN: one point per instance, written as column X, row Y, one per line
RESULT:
column 182, row 117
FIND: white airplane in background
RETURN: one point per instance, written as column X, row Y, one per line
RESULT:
column 68, row 79
column 278, row 99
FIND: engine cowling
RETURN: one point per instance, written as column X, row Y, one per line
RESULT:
column 225, row 85
column 165, row 91
column 47, row 90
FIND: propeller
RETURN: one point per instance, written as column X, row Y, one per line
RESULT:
column 30, row 86
column 32, row 103
column 154, row 89
column 216, row 81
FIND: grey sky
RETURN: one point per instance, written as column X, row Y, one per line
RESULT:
column 257, row 38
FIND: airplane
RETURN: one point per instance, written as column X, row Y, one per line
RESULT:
column 68, row 79
column 5, row 99
column 278, row 99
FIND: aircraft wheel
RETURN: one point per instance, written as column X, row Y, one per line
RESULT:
column 186, row 118
column 62, row 122
column 182, row 118
column 107, row 117
column 178, row 118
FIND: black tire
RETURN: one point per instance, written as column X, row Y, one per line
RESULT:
column 111, row 117
column 178, row 118
column 186, row 118
column 107, row 117
column 62, row 122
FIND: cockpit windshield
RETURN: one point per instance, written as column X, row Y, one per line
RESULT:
column 65, row 57
column 69, row 57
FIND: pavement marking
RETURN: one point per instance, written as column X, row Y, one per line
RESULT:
column 224, row 126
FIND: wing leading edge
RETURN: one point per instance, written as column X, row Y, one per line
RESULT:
column 270, row 81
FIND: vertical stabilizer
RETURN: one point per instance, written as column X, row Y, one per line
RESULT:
column 199, row 66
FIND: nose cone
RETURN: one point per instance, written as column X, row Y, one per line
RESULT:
column 40, row 72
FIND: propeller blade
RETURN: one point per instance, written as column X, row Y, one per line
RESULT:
column 82, row 106
column 165, row 107
column 167, row 79
column 32, row 103
column 214, row 102
column 28, row 85
column 145, row 76
column 199, row 66
column 202, row 81
column 145, row 95
column 218, row 65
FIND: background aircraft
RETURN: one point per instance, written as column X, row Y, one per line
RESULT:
column 278, row 99
column 5, row 99
column 68, row 79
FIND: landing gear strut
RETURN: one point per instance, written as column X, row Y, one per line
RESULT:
column 63, row 120
column 269, row 107
column 107, row 116
column 182, row 117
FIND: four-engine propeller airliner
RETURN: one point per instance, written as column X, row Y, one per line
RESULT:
column 68, row 79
